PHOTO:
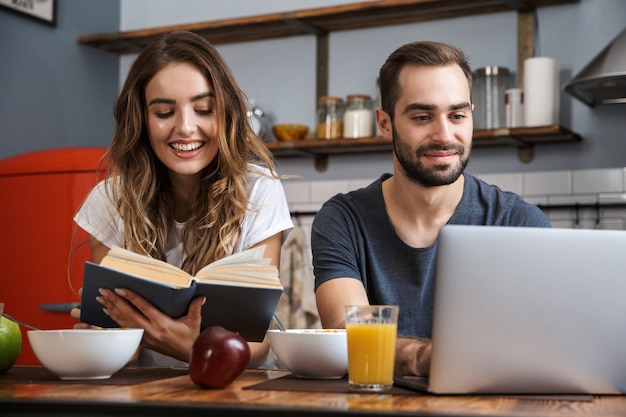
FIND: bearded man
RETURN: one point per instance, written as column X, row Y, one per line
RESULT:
column 378, row 245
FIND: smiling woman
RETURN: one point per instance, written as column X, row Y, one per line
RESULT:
column 188, row 182
column 181, row 121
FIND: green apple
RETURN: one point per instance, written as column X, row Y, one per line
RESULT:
column 10, row 343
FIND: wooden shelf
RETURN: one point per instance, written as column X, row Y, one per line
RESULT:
column 321, row 147
column 524, row 138
column 520, row 137
column 317, row 21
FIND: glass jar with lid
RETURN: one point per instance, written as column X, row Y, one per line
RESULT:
column 358, row 119
column 329, row 117
column 488, row 89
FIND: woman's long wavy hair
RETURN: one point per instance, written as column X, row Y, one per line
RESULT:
column 139, row 183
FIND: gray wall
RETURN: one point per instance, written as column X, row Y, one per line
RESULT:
column 279, row 74
column 54, row 92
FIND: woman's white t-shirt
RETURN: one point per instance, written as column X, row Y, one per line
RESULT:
column 267, row 215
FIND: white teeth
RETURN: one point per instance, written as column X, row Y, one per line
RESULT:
column 186, row 147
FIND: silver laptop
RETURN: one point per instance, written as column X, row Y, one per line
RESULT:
column 529, row 311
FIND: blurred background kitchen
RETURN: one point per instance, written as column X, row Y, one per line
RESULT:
column 58, row 93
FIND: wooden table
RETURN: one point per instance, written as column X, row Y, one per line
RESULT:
column 178, row 396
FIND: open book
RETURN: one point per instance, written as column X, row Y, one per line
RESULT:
column 242, row 290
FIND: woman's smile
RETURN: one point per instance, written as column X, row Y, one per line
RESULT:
column 181, row 119
column 186, row 147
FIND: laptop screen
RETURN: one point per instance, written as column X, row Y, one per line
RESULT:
column 529, row 310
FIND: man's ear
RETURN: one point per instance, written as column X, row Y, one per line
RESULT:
column 384, row 123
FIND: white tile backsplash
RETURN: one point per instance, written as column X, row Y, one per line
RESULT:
column 561, row 224
column 540, row 201
column 572, row 199
column 613, row 224
column 323, row 190
column 297, row 191
column 547, row 183
column 298, row 208
column 544, row 188
column 612, row 198
column 598, row 181
column 356, row 184
column 507, row 182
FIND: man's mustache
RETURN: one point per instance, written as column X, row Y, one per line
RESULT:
column 460, row 149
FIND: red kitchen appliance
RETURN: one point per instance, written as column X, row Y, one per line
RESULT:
column 40, row 192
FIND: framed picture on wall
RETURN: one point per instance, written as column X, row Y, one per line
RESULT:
column 41, row 10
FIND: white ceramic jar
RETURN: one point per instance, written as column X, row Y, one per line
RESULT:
column 358, row 119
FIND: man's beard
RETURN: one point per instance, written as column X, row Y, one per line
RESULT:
column 442, row 174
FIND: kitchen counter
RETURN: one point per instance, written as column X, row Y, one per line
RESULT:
column 258, row 393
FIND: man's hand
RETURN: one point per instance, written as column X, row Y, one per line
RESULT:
column 412, row 356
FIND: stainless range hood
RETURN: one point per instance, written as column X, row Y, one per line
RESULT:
column 603, row 80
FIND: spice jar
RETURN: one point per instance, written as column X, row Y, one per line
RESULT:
column 358, row 119
column 329, row 117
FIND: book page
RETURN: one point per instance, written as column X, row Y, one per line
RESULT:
column 252, row 256
column 247, row 268
column 247, row 275
column 145, row 267
column 235, row 283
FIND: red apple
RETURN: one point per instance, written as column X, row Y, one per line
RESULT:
column 218, row 357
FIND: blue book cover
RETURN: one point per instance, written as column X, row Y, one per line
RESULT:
column 244, row 309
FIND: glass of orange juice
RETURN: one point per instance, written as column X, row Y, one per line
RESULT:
column 371, row 332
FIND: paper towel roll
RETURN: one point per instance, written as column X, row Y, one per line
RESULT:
column 541, row 91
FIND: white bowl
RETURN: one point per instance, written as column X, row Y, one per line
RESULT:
column 311, row 353
column 85, row 353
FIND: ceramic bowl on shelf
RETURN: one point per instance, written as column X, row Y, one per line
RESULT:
column 311, row 353
column 289, row 132
column 85, row 353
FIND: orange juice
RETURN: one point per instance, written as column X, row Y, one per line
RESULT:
column 371, row 353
